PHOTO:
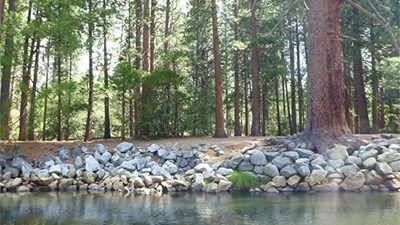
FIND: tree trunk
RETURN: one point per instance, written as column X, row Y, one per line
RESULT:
column 146, row 34
column 285, row 90
column 292, row 83
column 326, row 121
column 153, row 35
column 264, row 108
column 107, row 130
column 219, row 113
column 26, row 70
column 382, row 109
column 131, row 115
column 167, row 26
column 59, row 102
column 123, row 117
column 7, row 63
column 299, row 80
column 138, row 62
column 31, row 129
column 359, row 78
column 278, row 114
column 238, row 127
column 68, row 123
column 46, row 97
column 246, row 97
column 255, row 106
column 2, row 4
column 347, row 80
column 88, row 132
column 374, row 84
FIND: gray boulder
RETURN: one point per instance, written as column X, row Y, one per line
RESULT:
column 349, row 169
column 55, row 169
column 103, row 158
column 78, row 162
column 317, row 176
column 236, row 159
column 366, row 154
column 271, row 170
column 338, row 152
column 353, row 160
column 153, row 148
column 91, row 164
column 282, row 161
column 63, row 153
column 124, row 147
column 271, row 155
column 395, row 166
column 288, row 171
column 383, row 168
column 291, row 154
column 304, row 153
column 336, row 163
column 26, row 169
column 331, row 187
column 258, row 158
column 246, row 166
column 129, row 165
column 99, row 148
column 389, row 156
column 170, row 167
column 373, row 178
column 369, row 163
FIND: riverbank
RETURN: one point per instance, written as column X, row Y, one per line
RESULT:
column 159, row 168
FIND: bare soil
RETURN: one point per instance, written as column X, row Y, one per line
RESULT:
column 33, row 150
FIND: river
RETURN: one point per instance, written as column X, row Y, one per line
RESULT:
column 194, row 208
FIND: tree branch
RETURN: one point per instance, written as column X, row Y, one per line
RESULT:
column 381, row 23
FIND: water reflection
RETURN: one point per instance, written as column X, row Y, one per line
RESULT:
column 117, row 208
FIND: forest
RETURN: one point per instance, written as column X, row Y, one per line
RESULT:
column 85, row 69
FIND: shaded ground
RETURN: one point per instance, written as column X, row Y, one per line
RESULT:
column 34, row 150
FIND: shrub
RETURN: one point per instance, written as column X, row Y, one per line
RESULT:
column 242, row 180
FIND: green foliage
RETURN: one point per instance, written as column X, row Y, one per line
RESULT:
column 243, row 180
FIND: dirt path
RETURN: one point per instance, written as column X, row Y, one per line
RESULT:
column 34, row 150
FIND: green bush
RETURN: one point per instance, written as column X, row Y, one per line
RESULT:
column 242, row 180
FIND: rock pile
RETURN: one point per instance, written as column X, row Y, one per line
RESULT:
column 166, row 168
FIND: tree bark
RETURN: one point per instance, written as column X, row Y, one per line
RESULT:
column 153, row 35
column 374, row 84
column 299, row 80
column 382, row 123
column 278, row 114
column 67, row 122
column 362, row 109
column 255, row 125
column 238, row 127
column 246, row 96
column 31, row 128
column 219, row 113
column 7, row 64
column 59, row 102
column 88, row 132
column 2, row 4
column 292, row 83
column 46, row 97
column 167, row 26
column 26, row 70
column 107, row 130
column 138, row 62
column 326, row 121
column 146, row 36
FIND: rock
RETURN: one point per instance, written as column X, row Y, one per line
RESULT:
column 279, row 181
column 395, row 166
column 331, row 187
column 17, row 162
column 89, row 177
column 104, row 158
column 45, row 181
column 124, row 147
column 318, row 161
column 224, row 185
column 353, row 182
column 78, row 162
column 160, row 171
column 271, row 170
column 23, row 188
column 293, row 181
column 62, row 153
column 188, row 154
column 288, row 171
column 336, row 163
column 92, row 165
column 282, row 161
column 236, row 160
column 258, row 158
column 258, row 169
column 246, row 166
column 100, row 148
column 68, row 170
column 26, row 169
column 291, row 154
column 338, row 152
column 55, row 169
column 13, row 184
column 170, row 167
column 392, row 185
column 383, row 168
column 224, row 171
column 390, row 141
column 211, row 188
column 129, row 165
column 153, row 148
column 65, row 184
column 373, row 178
column 179, row 183
column 171, row 156
column 138, row 183
column 271, row 190
column 202, row 167
column 303, row 187
column 302, row 167
column 271, row 155
column 182, row 162
column 317, row 176
column 369, row 163
column 389, row 156
column 161, row 152
column 349, row 169
column 304, row 153
column 198, row 186
column 366, row 154
column 353, row 160
column 140, row 162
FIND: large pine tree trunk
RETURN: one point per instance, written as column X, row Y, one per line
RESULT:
column 146, row 36
column 374, row 84
column 138, row 61
column 167, row 26
column 46, row 84
column 219, row 113
column 326, row 120
column 299, row 80
column 292, row 83
column 59, row 101
column 278, row 114
column 7, row 64
column 153, row 35
column 255, row 106
column 2, row 4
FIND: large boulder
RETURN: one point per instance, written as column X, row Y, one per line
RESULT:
column 170, row 167
column 258, row 158
column 91, row 164
column 124, row 147
column 282, row 161
column 271, row 170
column 353, row 182
column 288, row 171
column 317, row 176
column 338, row 152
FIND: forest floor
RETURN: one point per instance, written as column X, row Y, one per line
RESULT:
column 33, row 150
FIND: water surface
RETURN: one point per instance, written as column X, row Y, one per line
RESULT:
column 261, row 208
